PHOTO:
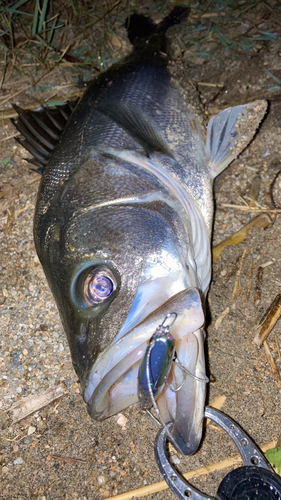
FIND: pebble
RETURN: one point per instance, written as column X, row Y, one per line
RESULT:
column 121, row 420
column 27, row 440
column 175, row 460
column 18, row 461
column 41, row 424
column 105, row 493
column 5, row 469
column 31, row 430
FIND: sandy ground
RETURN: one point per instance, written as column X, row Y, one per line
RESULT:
column 58, row 452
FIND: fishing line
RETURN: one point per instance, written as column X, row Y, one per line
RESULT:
column 186, row 372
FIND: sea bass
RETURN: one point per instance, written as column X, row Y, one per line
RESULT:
column 123, row 223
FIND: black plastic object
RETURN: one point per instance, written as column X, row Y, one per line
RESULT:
column 254, row 481
column 250, row 483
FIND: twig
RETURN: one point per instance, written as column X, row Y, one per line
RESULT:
column 4, row 70
column 37, row 178
column 271, row 187
column 221, row 317
column 22, row 89
column 259, row 277
column 69, row 460
column 205, row 84
column 15, row 94
column 28, row 405
column 261, row 221
column 162, row 485
column 249, row 280
column 242, row 199
column 268, row 321
column 11, row 440
column 266, row 264
column 6, row 114
column 237, row 285
column 29, row 205
column 63, row 54
column 274, row 369
column 251, row 209
column 255, row 190
column 277, row 347
column 218, row 404
column 10, row 137
column 250, row 327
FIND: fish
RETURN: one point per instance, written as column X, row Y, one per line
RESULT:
column 123, row 222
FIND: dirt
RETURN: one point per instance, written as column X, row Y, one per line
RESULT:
column 59, row 452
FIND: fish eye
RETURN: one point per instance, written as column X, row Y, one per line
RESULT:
column 99, row 284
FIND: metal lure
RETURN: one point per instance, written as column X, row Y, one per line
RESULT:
column 156, row 363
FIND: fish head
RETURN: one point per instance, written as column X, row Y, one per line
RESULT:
column 116, row 269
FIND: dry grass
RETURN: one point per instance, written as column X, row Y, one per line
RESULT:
column 83, row 38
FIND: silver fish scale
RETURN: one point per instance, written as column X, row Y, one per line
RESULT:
column 149, row 89
column 108, row 180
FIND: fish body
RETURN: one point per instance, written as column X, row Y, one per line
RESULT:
column 123, row 224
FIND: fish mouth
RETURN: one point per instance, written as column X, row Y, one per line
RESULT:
column 112, row 384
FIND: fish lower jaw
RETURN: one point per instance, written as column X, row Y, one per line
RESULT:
column 112, row 384
column 184, row 407
column 114, row 394
column 120, row 362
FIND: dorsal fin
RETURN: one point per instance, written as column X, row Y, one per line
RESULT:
column 138, row 125
column 41, row 130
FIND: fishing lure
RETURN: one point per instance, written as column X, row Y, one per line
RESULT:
column 155, row 368
column 156, row 363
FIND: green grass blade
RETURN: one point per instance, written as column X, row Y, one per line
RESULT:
column 5, row 161
column 43, row 16
column 9, row 11
column 50, row 35
column 14, row 9
column 55, row 102
column 275, row 78
column 74, row 10
column 35, row 18
column 19, row 4
column 2, row 44
column 270, row 36
column 41, row 40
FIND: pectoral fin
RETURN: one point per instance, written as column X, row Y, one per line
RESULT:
column 230, row 132
column 139, row 126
